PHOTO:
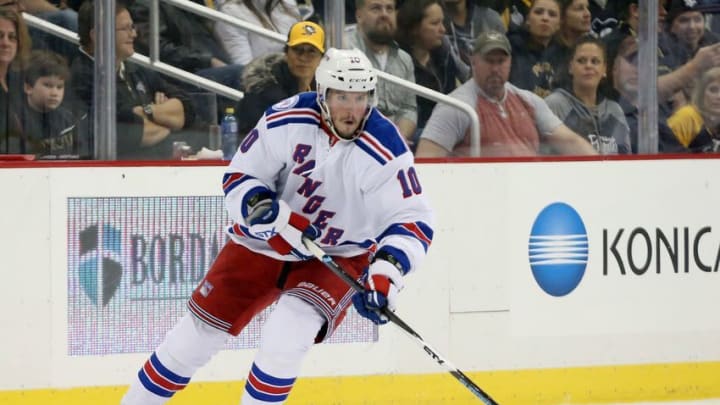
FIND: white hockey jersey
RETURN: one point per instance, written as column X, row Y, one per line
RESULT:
column 361, row 194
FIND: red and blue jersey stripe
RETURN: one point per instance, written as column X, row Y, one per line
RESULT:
column 417, row 230
column 294, row 116
column 232, row 180
column 381, row 139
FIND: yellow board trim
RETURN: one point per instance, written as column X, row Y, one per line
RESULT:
column 596, row 385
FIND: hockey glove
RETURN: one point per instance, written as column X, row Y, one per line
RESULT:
column 283, row 229
column 382, row 284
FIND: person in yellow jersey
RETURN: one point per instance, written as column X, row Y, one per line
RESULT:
column 697, row 125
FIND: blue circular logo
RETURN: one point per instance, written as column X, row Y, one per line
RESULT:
column 558, row 249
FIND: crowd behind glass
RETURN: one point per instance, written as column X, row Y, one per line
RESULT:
column 545, row 77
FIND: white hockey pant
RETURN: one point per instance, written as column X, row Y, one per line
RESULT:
column 186, row 348
column 287, row 335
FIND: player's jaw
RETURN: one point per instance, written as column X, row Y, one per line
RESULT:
column 347, row 110
column 347, row 125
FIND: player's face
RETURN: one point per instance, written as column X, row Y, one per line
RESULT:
column 712, row 98
column 46, row 94
column 347, row 109
column 125, row 35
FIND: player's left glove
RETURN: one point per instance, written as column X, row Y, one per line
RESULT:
column 282, row 228
column 382, row 284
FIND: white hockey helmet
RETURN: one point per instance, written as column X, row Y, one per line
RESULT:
column 345, row 70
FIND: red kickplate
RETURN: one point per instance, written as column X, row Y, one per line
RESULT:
column 17, row 157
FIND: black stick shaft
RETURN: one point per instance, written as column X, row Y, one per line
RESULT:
column 394, row 318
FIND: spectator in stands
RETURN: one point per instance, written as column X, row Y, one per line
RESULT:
column 375, row 36
column 55, row 12
column 243, row 45
column 575, row 21
column 624, row 81
column 579, row 103
column 318, row 14
column 49, row 127
column 421, row 33
column 514, row 13
column 697, row 126
column 150, row 112
column 534, row 48
column 673, row 75
column 512, row 120
column 625, row 91
column 187, row 42
column 686, row 24
column 464, row 21
column 275, row 77
column 628, row 12
column 14, row 50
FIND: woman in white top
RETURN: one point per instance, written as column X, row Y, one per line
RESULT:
column 244, row 46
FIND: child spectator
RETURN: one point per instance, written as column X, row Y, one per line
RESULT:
column 49, row 127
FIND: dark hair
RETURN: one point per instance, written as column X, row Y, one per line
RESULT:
column 564, row 5
column 566, row 79
column 409, row 17
column 86, row 19
column 559, row 3
column 45, row 63
column 24, row 44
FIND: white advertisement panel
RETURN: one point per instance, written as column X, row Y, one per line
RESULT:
column 615, row 248
column 533, row 265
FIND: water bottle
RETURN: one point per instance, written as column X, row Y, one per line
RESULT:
column 229, row 130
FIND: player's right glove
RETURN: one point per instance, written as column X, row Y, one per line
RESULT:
column 283, row 229
column 383, row 281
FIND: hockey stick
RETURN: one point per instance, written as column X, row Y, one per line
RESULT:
column 355, row 285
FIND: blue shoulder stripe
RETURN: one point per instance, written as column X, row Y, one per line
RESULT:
column 381, row 139
column 302, row 100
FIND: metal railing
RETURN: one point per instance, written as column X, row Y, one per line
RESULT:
column 415, row 88
column 153, row 61
column 143, row 60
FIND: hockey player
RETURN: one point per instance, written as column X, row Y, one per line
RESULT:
column 325, row 164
